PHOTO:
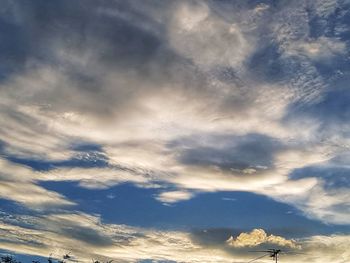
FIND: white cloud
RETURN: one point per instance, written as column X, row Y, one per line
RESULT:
column 32, row 196
column 326, row 248
column 17, row 183
column 261, row 8
column 23, row 125
column 174, row 196
column 321, row 48
column 258, row 237
column 207, row 39
column 329, row 205
column 325, row 8
column 94, row 178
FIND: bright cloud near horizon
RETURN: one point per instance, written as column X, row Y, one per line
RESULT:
column 175, row 131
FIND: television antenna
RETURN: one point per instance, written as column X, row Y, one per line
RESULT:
column 273, row 253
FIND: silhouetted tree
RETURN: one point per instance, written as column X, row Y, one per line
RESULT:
column 8, row 259
column 65, row 259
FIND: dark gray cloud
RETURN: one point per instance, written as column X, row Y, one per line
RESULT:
column 115, row 30
column 80, row 27
column 235, row 153
column 87, row 235
column 214, row 236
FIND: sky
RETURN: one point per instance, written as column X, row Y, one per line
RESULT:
column 175, row 130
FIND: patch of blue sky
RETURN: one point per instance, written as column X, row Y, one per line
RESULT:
column 333, row 108
column 128, row 204
column 333, row 177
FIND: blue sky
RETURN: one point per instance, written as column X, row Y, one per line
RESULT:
column 175, row 131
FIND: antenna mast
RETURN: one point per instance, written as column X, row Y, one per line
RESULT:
column 273, row 253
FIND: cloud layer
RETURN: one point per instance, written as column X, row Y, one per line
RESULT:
column 193, row 118
column 60, row 233
column 186, row 97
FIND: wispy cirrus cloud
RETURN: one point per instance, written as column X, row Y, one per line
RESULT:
column 18, row 184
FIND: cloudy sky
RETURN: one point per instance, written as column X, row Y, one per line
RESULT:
column 175, row 131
